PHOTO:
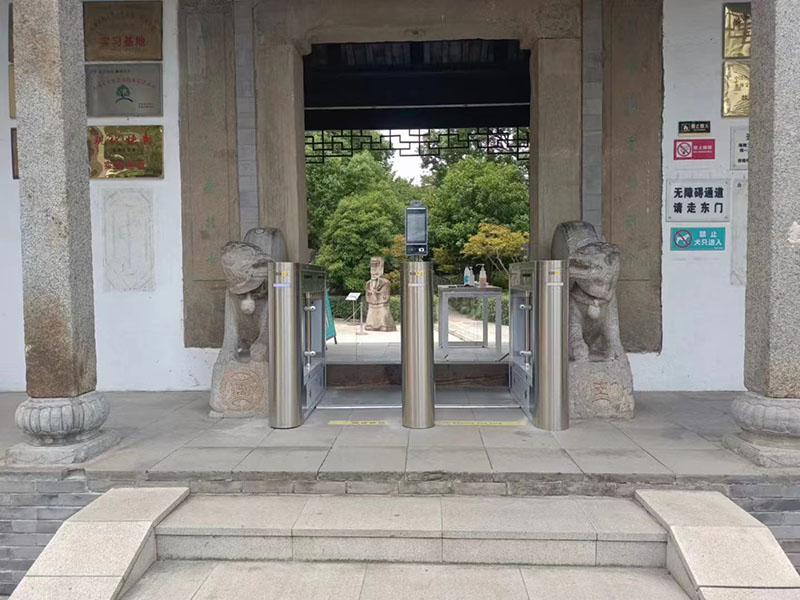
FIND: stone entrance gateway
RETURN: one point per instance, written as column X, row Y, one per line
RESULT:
column 56, row 244
column 273, row 36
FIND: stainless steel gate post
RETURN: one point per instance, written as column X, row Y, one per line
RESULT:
column 522, row 289
column 416, row 335
column 551, row 319
column 296, row 342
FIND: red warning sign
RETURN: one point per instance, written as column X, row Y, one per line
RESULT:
column 694, row 149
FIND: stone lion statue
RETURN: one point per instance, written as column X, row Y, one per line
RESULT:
column 593, row 272
column 601, row 383
column 238, row 383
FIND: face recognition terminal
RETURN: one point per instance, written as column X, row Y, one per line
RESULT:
column 416, row 229
column 297, row 375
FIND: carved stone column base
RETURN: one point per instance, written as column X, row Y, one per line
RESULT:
column 770, row 435
column 29, row 454
column 239, row 390
column 62, row 430
column 601, row 390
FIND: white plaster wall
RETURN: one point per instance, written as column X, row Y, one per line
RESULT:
column 139, row 334
column 703, row 313
column 12, row 354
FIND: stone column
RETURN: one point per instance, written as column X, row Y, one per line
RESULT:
column 63, row 414
column 556, row 139
column 281, row 142
column 769, row 414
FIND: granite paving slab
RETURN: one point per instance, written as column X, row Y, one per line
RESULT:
column 370, row 516
column 515, row 518
column 442, row 582
column 582, row 583
column 171, row 580
column 91, row 549
column 240, row 515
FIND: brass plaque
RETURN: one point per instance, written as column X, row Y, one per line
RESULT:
column 12, row 93
column 117, row 151
column 123, row 90
column 737, row 30
column 122, row 30
column 11, row 33
column 735, row 89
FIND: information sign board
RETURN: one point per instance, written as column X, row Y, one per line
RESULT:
column 124, row 90
column 697, row 239
column 705, row 200
column 122, row 30
column 118, row 151
column 740, row 147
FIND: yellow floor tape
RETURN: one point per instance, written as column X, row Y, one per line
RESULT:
column 468, row 423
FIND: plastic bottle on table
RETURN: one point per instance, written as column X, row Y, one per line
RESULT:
column 482, row 277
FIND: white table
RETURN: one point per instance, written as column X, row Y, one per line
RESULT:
column 447, row 292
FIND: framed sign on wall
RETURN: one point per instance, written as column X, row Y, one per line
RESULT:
column 121, row 31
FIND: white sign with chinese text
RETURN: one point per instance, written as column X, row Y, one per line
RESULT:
column 740, row 147
column 698, row 200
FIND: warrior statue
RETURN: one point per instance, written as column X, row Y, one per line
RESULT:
column 600, row 377
column 239, row 386
column 379, row 316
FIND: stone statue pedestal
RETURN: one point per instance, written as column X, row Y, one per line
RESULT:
column 601, row 389
column 62, row 431
column 239, row 389
column 770, row 435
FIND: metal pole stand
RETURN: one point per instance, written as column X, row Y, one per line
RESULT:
column 416, row 336
column 551, row 318
column 361, row 319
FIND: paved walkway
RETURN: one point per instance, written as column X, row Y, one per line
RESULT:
column 168, row 433
column 384, row 347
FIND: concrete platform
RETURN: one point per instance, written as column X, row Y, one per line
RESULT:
column 167, row 436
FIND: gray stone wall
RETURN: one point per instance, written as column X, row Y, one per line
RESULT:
column 32, row 508
column 592, row 188
column 776, row 505
column 246, row 114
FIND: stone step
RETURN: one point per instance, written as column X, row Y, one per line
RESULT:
column 204, row 580
column 475, row 530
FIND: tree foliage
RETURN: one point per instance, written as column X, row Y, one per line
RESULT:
column 496, row 245
column 450, row 149
column 361, row 226
column 327, row 183
column 475, row 191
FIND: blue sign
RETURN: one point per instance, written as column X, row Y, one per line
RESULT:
column 697, row 238
column 330, row 326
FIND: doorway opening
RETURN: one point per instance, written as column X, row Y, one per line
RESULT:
column 442, row 122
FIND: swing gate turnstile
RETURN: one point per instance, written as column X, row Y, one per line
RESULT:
column 296, row 342
column 538, row 347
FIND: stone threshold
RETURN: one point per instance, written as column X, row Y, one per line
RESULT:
column 533, row 484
